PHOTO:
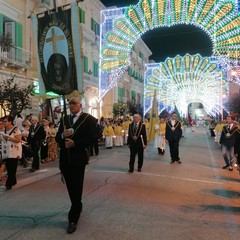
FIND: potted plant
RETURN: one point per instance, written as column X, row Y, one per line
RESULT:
column 5, row 43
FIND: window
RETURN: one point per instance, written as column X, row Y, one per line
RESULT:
column 120, row 94
column 1, row 24
column 95, row 69
column 130, row 71
column 133, row 96
column 81, row 15
column 95, row 27
column 141, row 55
column 85, row 64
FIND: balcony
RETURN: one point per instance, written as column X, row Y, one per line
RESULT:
column 16, row 57
column 90, row 80
column 90, row 35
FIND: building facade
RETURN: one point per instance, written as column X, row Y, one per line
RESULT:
column 20, row 61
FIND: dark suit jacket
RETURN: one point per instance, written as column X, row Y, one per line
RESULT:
column 228, row 141
column 237, row 143
column 84, row 135
column 36, row 135
column 141, row 131
column 173, row 133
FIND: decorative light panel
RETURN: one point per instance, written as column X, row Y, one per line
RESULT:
column 180, row 81
column 122, row 27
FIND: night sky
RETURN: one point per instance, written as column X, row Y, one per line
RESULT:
column 169, row 42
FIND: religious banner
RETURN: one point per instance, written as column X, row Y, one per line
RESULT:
column 58, row 50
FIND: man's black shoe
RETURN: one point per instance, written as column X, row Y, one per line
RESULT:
column 71, row 228
column 129, row 171
column 179, row 162
column 139, row 170
column 225, row 167
column 32, row 170
column 172, row 162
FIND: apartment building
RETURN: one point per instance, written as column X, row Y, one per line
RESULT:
column 20, row 61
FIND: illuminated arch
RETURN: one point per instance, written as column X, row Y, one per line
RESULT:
column 122, row 27
column 183, row 80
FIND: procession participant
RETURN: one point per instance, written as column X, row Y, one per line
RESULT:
column 125, row 127
column 147, row 125
column 218, row 131
column 108, row 134
column 137, row 142
column 173, row 136
column 74, row 136
column 118, row 131
column 227, row 141
column 35, row 137
column 160, row 132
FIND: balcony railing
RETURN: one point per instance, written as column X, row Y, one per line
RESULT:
column 16, row 57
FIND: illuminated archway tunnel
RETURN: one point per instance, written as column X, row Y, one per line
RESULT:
column 122, row 27
column 180, row 81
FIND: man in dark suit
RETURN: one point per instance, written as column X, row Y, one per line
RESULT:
column 74, row 136
column 137, row 142
column 35, row 137
column 237, row 149
column 173, row 136
column 227, row 141
column 94, row 145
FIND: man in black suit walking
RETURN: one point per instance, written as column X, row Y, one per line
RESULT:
column 137, row 142
column 173, row 136
column 74, row 136
column 35, row 138
column 227, row 141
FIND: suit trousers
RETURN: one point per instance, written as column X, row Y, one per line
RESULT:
column 228, row 154
column 74, row 177
column 174, row 150
column 35, row 154
column 133, row 152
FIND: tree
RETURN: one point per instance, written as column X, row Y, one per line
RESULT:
column 14, row 100
column 119, row 109
column 135, row 108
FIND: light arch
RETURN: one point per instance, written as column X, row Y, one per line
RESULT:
column 180, row 81
column 122, row 27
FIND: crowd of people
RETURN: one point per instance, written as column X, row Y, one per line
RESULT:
column 22, row 140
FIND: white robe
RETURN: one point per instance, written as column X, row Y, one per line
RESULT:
column 108, row 141
column 159, row 141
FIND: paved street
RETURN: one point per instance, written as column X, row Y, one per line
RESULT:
column 194, row 200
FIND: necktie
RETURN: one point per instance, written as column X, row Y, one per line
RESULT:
column 135, row 127
column 71, row 118
column 229, row 127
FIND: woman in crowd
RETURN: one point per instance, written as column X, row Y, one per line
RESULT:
column 2, row 163
column 25, row 150
column 11, row 149
column 44, row 145
column 52, row 144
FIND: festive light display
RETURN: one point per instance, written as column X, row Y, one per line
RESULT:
column 180, row 81
column 122, row 27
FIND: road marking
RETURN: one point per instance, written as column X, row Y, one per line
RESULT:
column 165, row 176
